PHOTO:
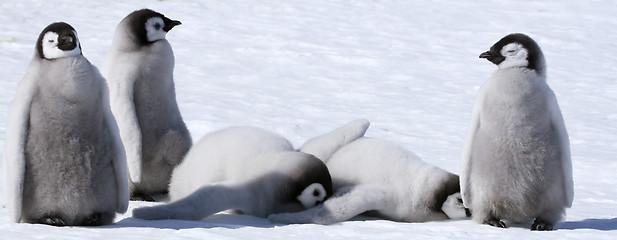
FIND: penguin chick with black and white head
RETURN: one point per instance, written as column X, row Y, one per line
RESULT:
column 516, row 159
column 64, row 160
column 139, row 70
column 246, row 169
column 377, row 178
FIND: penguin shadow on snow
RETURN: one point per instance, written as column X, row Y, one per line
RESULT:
column 592, row 223
column 221, row 220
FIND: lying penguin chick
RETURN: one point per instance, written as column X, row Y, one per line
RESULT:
column 380, row 179
column 248, row 169
column 64, row 161
column 516, row 160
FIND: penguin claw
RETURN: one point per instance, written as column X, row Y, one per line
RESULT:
column 539, row 225
column 96, row 219
column 495, row 223
column 54, row 221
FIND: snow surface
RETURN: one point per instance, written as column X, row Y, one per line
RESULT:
column 302, row 68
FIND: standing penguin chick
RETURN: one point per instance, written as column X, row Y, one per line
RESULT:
column 139, row 70
column 516, row 159
column 65, row 164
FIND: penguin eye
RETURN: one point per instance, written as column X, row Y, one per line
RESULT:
column 511, row 51
column 316, row 193
column 50, row 40
column 157, row 26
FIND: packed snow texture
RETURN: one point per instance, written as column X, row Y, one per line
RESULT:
column 302, row 68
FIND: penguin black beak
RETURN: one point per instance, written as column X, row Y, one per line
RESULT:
column 67, row 42
column 487, row 54
column 495, row 58
column 169, row 24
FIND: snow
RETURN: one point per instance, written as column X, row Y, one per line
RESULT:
column 302, row 68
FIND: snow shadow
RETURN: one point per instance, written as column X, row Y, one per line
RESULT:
column 597, row 224
column 230, row 221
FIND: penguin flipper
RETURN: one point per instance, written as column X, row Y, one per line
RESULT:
column 15, row 145
column 119, row 160
column 123, row 108
column 200, row 204
column 325, row 145
column 559, row 127
column 467, row 148
column 347, row 203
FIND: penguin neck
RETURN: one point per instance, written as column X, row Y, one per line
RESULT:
column 125, row 41
column 73, row 77
column 126, row 46
column 540, row 66
column 73, row 63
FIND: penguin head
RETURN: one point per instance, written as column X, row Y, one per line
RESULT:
column 146, row 26
column 312, row 195
column 58, row 40
column 454, row 208
column 314, row 183
column 516, row 50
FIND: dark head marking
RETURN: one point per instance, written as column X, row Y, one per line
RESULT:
column 67, row 40
column 450, row 185
column 534, row 57
column 137, row 24
column 314, row 171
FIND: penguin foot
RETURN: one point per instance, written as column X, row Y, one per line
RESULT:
column 95, row 219
column 540, row 225
column 54, row 221
column 137, row 196
column 495, row 222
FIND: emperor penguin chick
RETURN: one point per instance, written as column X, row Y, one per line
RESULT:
column 516, row 159
column 64, row 160
column 245, row 169
column 377, row 178
column 139, row 70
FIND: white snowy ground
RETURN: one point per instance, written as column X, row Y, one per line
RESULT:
column 301, row 68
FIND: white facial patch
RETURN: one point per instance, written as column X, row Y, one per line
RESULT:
column 51, row 50
column 515, row 54
column 312, row 195
column 154, row 29
column 453, row 206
